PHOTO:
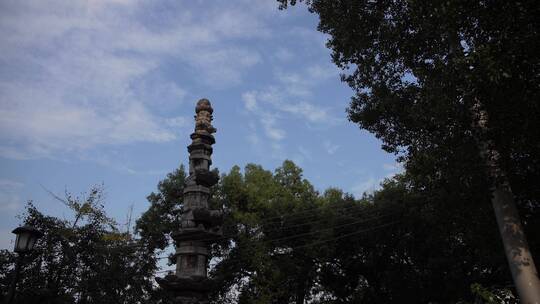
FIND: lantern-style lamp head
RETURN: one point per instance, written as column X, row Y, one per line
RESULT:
column 26, row 238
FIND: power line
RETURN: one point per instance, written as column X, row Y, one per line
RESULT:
column 330, row 228
column 237, row 261
column 252, row 247
column 294, row 214
column 307, row 223
column 225, row 237
column 266, row 222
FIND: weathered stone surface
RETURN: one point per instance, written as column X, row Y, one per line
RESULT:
column 199, row 225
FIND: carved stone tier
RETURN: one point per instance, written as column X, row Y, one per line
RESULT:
column 199, row 226
column 206, row 178
column 186, row 285
column 204, row 138
column 187, row 291
column 209, row 218
column 199, row 233
column 201, row 146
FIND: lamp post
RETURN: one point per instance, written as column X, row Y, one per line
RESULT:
column 24, row 243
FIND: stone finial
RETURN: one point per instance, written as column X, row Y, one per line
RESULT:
column 203, row 119
column 204, row 105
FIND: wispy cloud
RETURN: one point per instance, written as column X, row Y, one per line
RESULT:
column 372, row 183
column 330, row 147
column 392, row 169
column 366, row 186
column 267, row 119
column 75, row 75
column 6, row 239
column 283, row 54
column 302, row 155
column 250, row 101
column 10, row 200
column 302, row 83
column 273, row 100
column 10, row 184
column 289, row 101
column 268, row 122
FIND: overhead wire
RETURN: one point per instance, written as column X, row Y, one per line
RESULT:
column 356, row 214
column 267, row 221
column 295, row 214
column 237, row 260
column 215, row 239
column 252, row 247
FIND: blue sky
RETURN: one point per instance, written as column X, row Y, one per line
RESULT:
column 98, row 92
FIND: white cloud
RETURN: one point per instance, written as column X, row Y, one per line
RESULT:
column 250, row 101
column 302, row 83
column 223, row 67
column 6, row 239
column 53, row 126
column 269, row 124
column 10, row 200
column 365, row 186
column 272, row 100
column 267, row 120
column 283, row 54
column 10, row 184
column 311, row 112
column 330, row 147
column 392, row 169
column 302, row 156
column 74, row 75
column 372, row 184
column 308, row 36
column 9, row 204
column 252, row 136
column 276, row 151
column 286, row 102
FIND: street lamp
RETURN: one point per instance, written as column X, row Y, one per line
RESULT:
column 24, row 243
column 26, row 239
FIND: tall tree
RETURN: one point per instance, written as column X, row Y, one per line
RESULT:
column 287, row 243
column 426, row 77
column 88, row 259
column 284, row 242
column 263, row 267
column 156, row 224
column 285, row 239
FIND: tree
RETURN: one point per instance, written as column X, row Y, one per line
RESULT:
column 426, row 77
column 156, row 224
column 284, row 242
column 258, row 260
column 287, row 243
column 85, row 260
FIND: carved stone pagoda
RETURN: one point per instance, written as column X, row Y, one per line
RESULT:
column 200, row 226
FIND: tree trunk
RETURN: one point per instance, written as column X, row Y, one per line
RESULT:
column 516, row 248
column 517, row 251
column 515, row 245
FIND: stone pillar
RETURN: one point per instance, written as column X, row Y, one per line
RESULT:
column 199, row 227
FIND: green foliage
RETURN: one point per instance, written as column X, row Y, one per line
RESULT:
column 85, row 260
column 291, row 244
column 497, row 296
column 284, row 236
column 156, row 224
column 285, row 243
column 418, row 70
